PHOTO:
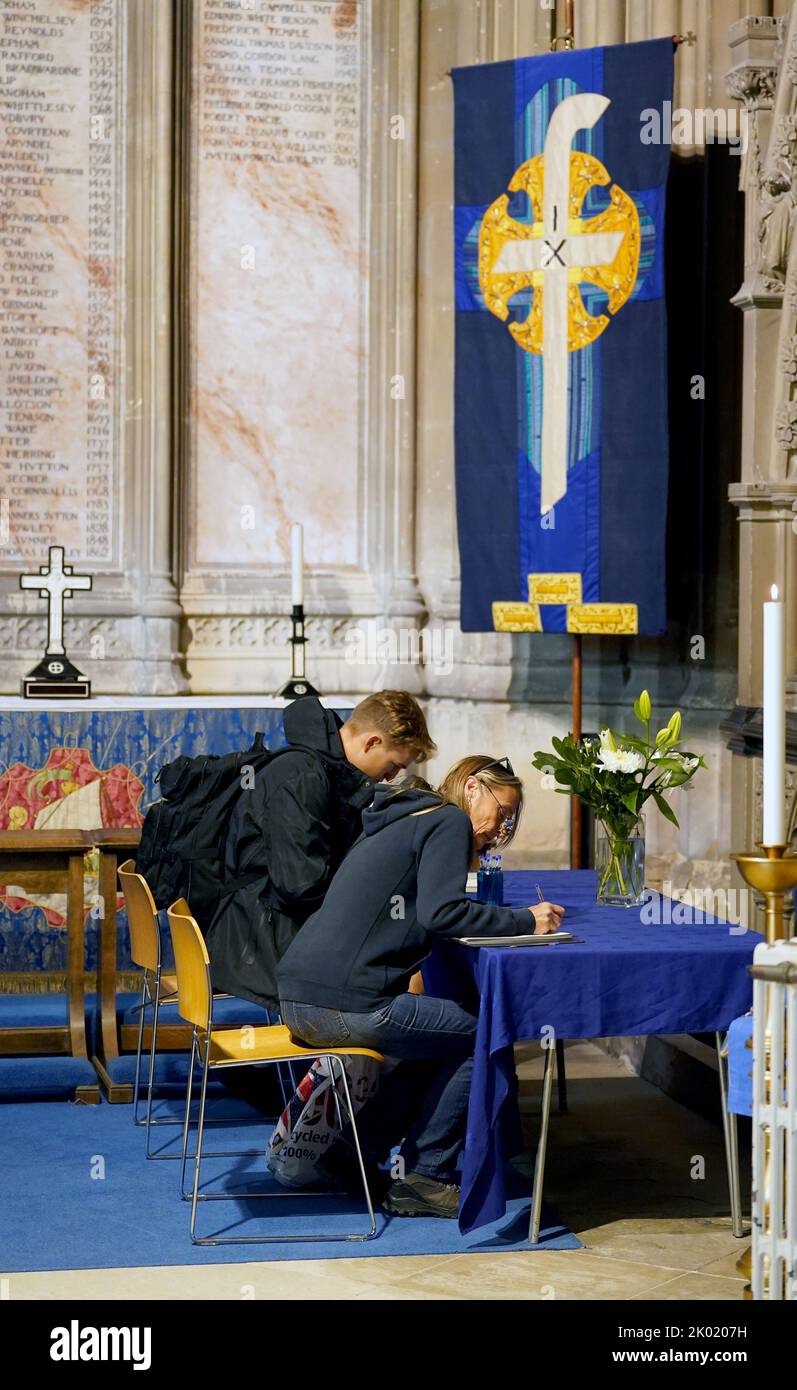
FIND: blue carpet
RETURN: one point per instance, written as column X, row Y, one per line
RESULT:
column 44, row 1078
column 90, row 1200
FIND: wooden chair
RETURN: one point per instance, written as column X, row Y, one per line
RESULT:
column 265, row 1046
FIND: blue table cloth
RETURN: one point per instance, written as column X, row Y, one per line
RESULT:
column 630, row 976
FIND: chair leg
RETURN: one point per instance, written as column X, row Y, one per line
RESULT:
column 542, row 1144
column 172, row 1122
column 730, row 1132
column 286, row 1094
column 336, row 1097
column 152, row 1052
column 200, row 1129
column 188, row 1091
column 183, row 1156
column 356, row 1137
column 139, row 1049
column 198, row 1197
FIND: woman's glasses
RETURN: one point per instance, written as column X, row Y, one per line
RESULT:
column 499, row 762
column 507, row 817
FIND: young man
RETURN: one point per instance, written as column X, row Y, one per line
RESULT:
column 289, row 833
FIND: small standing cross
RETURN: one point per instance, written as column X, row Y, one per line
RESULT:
column 55, row 582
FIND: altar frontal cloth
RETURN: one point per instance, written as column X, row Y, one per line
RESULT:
column 561, row 346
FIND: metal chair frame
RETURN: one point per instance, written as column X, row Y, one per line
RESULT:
column 151, row 997
column 201, row 1048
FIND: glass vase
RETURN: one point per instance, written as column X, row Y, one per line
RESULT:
column 620, row 865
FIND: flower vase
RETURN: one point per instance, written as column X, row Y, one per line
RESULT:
column 620, row 865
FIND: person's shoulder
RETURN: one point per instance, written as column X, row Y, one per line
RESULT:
column 288, row 764
column 446, row 816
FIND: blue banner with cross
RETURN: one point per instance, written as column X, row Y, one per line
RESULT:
column 561, row 342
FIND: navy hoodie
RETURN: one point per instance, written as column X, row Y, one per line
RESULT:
column 401, row 886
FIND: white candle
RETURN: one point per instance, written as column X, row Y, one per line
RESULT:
column 297, row 564
column 774, row 722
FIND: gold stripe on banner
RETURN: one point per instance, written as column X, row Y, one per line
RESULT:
column 601, row 618
column 517, row 617
column 554, row 588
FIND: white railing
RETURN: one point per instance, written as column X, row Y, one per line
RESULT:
column 775, row 1121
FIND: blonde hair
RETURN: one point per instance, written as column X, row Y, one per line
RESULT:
column 398, row 717
column 493, row 774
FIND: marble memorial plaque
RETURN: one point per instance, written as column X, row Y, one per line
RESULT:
column 60, row 77
column 278, row 269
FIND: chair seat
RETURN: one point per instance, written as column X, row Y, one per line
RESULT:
column 272, row 1044
column 169, row 986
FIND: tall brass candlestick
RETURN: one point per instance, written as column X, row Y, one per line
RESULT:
column 772, row 872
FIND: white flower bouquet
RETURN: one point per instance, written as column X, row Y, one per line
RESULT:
column 615, row 776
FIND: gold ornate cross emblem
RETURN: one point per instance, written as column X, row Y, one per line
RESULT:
column 554, row 255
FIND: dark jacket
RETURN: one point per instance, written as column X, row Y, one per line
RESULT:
column 400, row 887
column 288, row 834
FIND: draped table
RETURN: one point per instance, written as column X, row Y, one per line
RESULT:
column 625, row 975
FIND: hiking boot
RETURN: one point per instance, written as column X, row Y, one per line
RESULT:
column 417, row 1195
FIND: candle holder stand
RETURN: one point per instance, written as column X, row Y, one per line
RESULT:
column 773, row 872
column 298, row 686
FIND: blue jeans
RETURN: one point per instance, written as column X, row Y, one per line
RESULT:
column 424, row 1100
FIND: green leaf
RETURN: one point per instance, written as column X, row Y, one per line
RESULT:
column 629, row 741
column 665, row 809
column 566, row 749
column 677, row 779
column 546, row 761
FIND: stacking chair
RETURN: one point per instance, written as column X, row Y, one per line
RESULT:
column 157, row 989
column 259, row 1047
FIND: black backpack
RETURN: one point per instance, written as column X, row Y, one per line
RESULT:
column 184, row 834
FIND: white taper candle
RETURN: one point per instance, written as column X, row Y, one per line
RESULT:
column 297, row 564
column 774, row 722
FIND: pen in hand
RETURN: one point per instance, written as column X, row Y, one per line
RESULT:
column 555, row 915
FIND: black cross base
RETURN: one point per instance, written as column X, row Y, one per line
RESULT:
column 295, row 688
column 56, row 678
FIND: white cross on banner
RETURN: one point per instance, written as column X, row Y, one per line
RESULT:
column 555, row 252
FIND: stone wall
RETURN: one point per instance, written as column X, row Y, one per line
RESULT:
column 282, row 349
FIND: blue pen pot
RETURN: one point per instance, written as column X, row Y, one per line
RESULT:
column 490, row 886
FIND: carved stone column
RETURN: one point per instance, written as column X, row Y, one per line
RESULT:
column 154, row 658
column 768, row 299
column 763, row 77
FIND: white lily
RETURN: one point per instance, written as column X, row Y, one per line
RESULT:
column 621, row 759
